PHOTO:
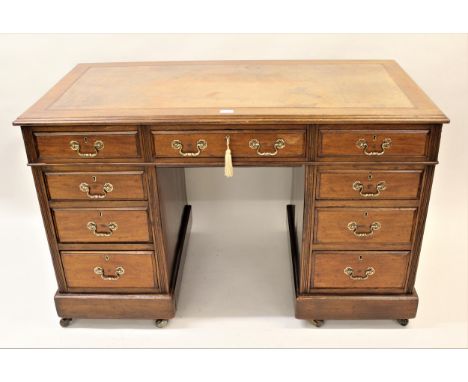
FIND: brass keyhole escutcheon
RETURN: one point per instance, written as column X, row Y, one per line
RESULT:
column 85, row 139
column 369, row 177
column 106, row 258
column 94, row 178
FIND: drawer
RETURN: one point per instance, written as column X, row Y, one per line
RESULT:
column 358, row 227
column 111, row 270
column 85, row 225
column 87, row 146
column 356, row 270
column 368, row 185
column 372, row 145
column 243, row 144
column 96, row 185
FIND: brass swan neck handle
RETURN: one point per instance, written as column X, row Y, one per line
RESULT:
column 367, row 273
column 119, row 271
column 92, row 226
column 201, row 145
column 279, row 144
column 353, row 226
column 363, row 145
column 98, row 146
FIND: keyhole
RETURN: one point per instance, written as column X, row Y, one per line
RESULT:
column 366, row 214
column 100, row 214
column 369, row 177
column 94, row 178
column 374, row 137
column 360, row 258
column 107, row 258
column 85, row 139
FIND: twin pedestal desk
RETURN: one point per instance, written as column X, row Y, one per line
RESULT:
column 108, row 146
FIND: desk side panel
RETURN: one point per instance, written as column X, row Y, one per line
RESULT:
column 172, row 201
column 47, row 218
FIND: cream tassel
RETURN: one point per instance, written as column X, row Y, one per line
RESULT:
column 228, row 170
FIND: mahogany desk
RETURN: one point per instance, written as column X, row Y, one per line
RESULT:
column 108, row 145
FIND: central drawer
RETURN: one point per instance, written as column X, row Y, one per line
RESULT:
column 364, row 227
column 243, row 144
column 109, row 270
column 84, row 225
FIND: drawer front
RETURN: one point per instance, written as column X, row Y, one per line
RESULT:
column 246, row 144
column 369, row 185
column 364, row 226
column 111, row 270
column 358, row 270
column 95, row 185
column 82, row 225
column 373, row 145
column 87, row 146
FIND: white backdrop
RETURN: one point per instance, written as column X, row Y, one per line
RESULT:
column 237, row 288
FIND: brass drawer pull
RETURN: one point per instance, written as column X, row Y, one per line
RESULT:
column 201, row 145
column 353, row 226
column 92, row 226
column 358, row 186
column 108, row 187
column 254, row 144
column 98, row 146
column 362, row 144
column 350, row 272
column 119, row 271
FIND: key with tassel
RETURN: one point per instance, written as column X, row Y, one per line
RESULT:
column 228, row 169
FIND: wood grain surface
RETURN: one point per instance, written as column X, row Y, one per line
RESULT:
column 132, row 225
column 343, row 143
column 396, row 226
column 56, row 145
column 389, row 269
column 338, row 184
column 138, row 269
column 125, row 185
column 216, row 144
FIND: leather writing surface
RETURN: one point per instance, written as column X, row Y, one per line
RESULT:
column 244, row 91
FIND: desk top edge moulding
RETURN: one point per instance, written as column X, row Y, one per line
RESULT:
column 108, row 144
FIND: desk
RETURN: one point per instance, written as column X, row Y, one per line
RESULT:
column 108, row 144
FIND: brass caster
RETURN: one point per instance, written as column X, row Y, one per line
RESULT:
column 64, row 322
column 161, row 323
column 317, row 323
column 403, row 321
